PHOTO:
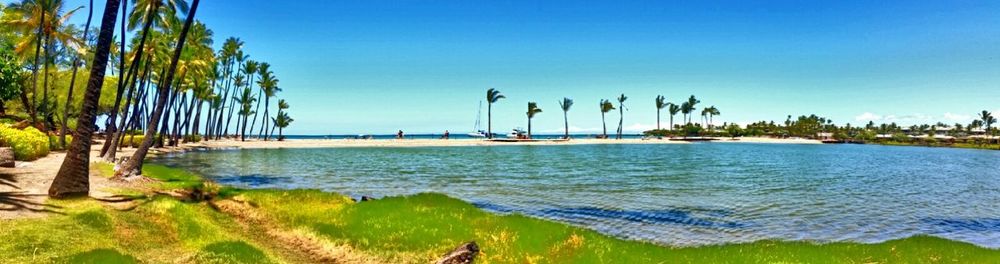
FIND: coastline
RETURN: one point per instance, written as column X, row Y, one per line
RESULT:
column 347, row 143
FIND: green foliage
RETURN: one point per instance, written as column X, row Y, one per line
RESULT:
column 231, row 252
column 55, row 145
column 900, row 137
column 734, row 130
column 102, row 256
column 11, row 77
column 192, row 138
column 28, row 144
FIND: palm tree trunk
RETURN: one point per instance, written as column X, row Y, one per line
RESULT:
column 605, row 125
column 621, row 119
column 134, row 165
column 73, row 176
column 529, row 128
column 263, row 123
column 33, row 110
column 489, row 120
column 671, row 121
column 72, row 80
column 45, row 85
column 566, row 124
column 253, row 123
column 657, row 119
column 126, row 77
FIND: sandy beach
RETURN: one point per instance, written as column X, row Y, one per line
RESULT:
column 335, row 143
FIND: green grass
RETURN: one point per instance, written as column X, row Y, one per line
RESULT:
column 942, row 145
column 427, row 225
column 411, row 229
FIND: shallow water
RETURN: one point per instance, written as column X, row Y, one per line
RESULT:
column 673, row 194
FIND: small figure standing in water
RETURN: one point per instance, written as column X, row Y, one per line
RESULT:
column 399, row 135
column 446, row 135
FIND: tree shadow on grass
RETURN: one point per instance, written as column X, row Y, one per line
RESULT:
column 19, row 201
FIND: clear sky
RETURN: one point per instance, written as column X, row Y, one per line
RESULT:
column 350, row 67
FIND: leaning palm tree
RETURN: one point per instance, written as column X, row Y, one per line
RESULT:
column 282, row 105
column 660, row 104
column 704, row 117
column 73, row 177
column 565, row 104
column 621, row 114
column 269, row 84
column 673, row 109
column 246, row 109
column 134, row 164
column 606, row 106
column 532, row 110
column 492, row 96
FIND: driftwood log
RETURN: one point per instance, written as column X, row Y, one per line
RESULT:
column 6, row 157
column 464, row 254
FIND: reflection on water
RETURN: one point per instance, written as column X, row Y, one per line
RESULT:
column 692, row 194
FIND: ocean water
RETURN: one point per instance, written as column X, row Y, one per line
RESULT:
column 673, row 194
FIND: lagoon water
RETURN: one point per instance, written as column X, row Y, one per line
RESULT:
column 674, row 194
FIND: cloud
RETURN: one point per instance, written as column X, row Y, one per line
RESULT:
column 957, row 117
column 867, row 116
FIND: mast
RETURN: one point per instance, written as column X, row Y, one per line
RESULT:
column 479, row 114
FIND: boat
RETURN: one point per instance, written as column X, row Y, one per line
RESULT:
column 479, row 133
column 517, row 133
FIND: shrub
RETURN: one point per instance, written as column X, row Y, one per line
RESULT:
column 28, row 144
column 54, row 142
column 192, row 138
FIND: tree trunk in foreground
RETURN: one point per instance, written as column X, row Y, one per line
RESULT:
column 73, row 177
column 134, row 164
column 72, row 80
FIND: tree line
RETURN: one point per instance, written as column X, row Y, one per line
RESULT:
column 164, row 86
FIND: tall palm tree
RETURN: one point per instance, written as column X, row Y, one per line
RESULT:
column 72, row 81
column 660, row 104
column 250, row 69
column 606, row 106
column 134, row 164
column 565, row 104
column 532, row 110
column 73, row 176
column 673, row 109
column 688, row 108
column 269, row 84
column 704, row 117
column 246, row 109
column 621, row 114
column 492, row 96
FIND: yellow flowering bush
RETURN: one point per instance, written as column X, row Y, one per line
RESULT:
column 28, row 144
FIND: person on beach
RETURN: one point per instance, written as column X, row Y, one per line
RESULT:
column 399, row 135
column 446, row 135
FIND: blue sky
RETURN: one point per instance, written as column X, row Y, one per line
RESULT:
column 351, row 67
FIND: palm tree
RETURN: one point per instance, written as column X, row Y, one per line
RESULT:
column 660, row 104
column 134, row 164
column 712, row 112
column 72, row 81
column 621, row 114
column 673, row 109
column 988, row 120
column 565, row 104
column 282, row 105
column 46, row 19
column 492, row 96
column 270, row 85
column 282, row 121
column 246, row 109
column 688, row 108
column 606, row 106
column 250, row 69
column 704, row 117
column 73, row 176
column 532, row 110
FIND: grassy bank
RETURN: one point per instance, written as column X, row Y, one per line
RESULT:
column 941, row 144
column 257, row 226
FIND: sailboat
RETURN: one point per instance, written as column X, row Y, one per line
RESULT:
column 479, row 133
